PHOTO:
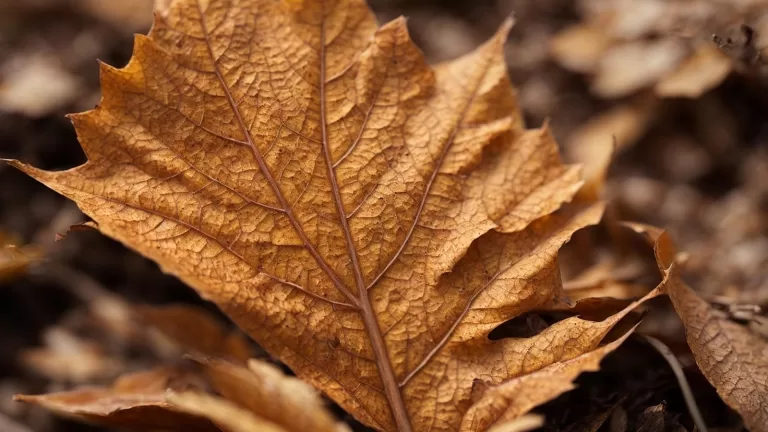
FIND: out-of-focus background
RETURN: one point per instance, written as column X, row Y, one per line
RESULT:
column 680, row 87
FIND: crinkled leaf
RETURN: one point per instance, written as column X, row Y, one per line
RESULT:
column 732, row 357
column 368, row 219
column 137, row 401
column 510, row 400
column 267, row 392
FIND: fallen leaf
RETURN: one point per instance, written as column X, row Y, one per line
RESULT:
column 194, row 330
column 627, row 68
column 602, row 137
column 137, row 401
column 525, row 423
column 516, row 397
column 633, row 45
column 366, row 218
column 580, row 47
column 225, row 414
column 69, row 358
column 267, row 392
column 703, row 71
column 257, row 398
column 730, row 355
column 14, row 260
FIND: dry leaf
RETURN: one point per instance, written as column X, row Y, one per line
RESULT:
column 632, row 45
column 627, row 68
column 257, row 398
column 14, row 259
column 269, row 394
column 225, row 414
column 69, row 358
column 732, row 357
column 366, row 218
column 194, row 330
column 516, row 397
column 594, row 143
column 137, row 401
column 580, row 47
column 703, row 71
column 525, row 423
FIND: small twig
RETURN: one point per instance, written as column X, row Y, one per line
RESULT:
column 685, row 388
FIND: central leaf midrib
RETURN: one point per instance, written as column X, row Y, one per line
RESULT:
column 370, row 321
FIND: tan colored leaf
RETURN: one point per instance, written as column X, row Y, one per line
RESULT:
column 136, row 401
column 732, row 357
column 14, row 259
column 267, row 392
column 599, row 139
column 703, row 71
column 516, row 397
column 257, row 398
column 580, row 47
column 665, row 45
column 69, row 358
column 194, row 330
column 627, row 68
column 368, row 219
column 525, row 423
column 226, row 415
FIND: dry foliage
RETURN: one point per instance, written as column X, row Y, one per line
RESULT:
column 255, row 398
column 731, row 356
column 366, row 218
column 15, row 259
column 631, row 45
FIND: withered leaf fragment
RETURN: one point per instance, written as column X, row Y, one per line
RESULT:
column 193, row 330
column 732, row 357
column 257, row 398
column 14, row 259
column 516, row 397
column 137, row 401
column 368, row 219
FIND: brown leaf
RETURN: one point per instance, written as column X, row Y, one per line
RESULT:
column 366, row 218
column 257, row 398
column 732, row 357
column 14, row 259
column 632, row 45
column 518, row 396
column 69, row 358
column 227, row 415
column 194, row 330
column 265, row 391
column 136, row 401
column 594, row 143
column 703, row 71
column 525, row 423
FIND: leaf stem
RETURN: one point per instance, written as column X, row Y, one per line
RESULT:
column 383, row 363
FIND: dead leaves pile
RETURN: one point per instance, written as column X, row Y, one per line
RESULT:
column 666, row 46
column 366, row 218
